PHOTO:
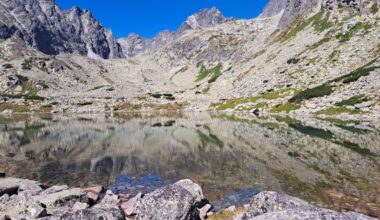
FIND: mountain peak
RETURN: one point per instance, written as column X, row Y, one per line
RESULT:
column 203, row 19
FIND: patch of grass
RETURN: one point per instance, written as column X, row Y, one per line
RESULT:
column 356, row 148
column 7, row 66
column 339, row 110
column 374, row 9
column 334, row 56
column 127, row 107
column 286, row 107
column 293, row 61
column 156, row 95
column 358, row 27
column 27, row 64
column 352, row 129
column 356, row 74
column 95, row 88
column 14, row 107
column 45, row 109
column 318, row 21
column 352, row 101
column 84, row 103
column 271, row 95
column 321, row 22
column 25, row 96
column 315, row 92
column 213, row 73
column 320, row 43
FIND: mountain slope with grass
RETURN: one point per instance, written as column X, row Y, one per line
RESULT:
column 315, row 58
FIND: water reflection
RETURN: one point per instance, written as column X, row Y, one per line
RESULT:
column 328, row 162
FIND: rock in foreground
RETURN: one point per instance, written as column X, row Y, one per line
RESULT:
column 183, row 200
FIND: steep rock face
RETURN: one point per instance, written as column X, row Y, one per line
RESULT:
column 203, row 19
column 135, row 44
column 296, row 10
column 274, row 7
column 44, row 26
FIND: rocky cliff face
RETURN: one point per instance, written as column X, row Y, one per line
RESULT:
column 296, row 10
column 44, row 26
column 206, row 18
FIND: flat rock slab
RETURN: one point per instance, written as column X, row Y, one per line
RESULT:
column 11, row 185
column 66, row 198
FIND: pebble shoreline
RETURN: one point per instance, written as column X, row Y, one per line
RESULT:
column 28, row 199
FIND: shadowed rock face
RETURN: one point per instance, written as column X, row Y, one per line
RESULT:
column 44, row 26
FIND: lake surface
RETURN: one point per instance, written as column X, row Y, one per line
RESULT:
column 331, row 163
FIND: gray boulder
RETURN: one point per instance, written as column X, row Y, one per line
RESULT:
column 169, row 202
column 60, row 201
column 94, row 213
column 12, row 185
column 20, row 206
column 272, row 205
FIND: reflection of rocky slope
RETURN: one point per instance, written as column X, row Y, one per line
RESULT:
column 324, row 51
column 328, row 164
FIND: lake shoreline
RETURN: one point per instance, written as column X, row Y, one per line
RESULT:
column 184, row 199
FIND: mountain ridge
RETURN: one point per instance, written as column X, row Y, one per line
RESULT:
column 44, row 26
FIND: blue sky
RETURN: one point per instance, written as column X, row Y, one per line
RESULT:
column 148, row 17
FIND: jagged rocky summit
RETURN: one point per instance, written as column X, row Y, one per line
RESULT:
column 135, row 44
column 47, row 28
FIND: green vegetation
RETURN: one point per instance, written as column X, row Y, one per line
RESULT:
column 29, row 91
column 209, row 139
column 356, row 74
column 360, row 26
column 27, row 64
column 14, row 107
column 293, row 61
column 318, row 21
column 374, row 9
column 339, row 110
column 352, row 129
column 352, row 101
column 356, row 148
column 213, row 73
column 25, row 96
column 271, row 95
column 286, row 107
column 319, row 43
column 321, row 22
column 334, row 56
column 315, row 92
column 7, row 66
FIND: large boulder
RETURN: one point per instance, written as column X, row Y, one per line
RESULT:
column 169, row 202
column 94, row 213
column 273, row 205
